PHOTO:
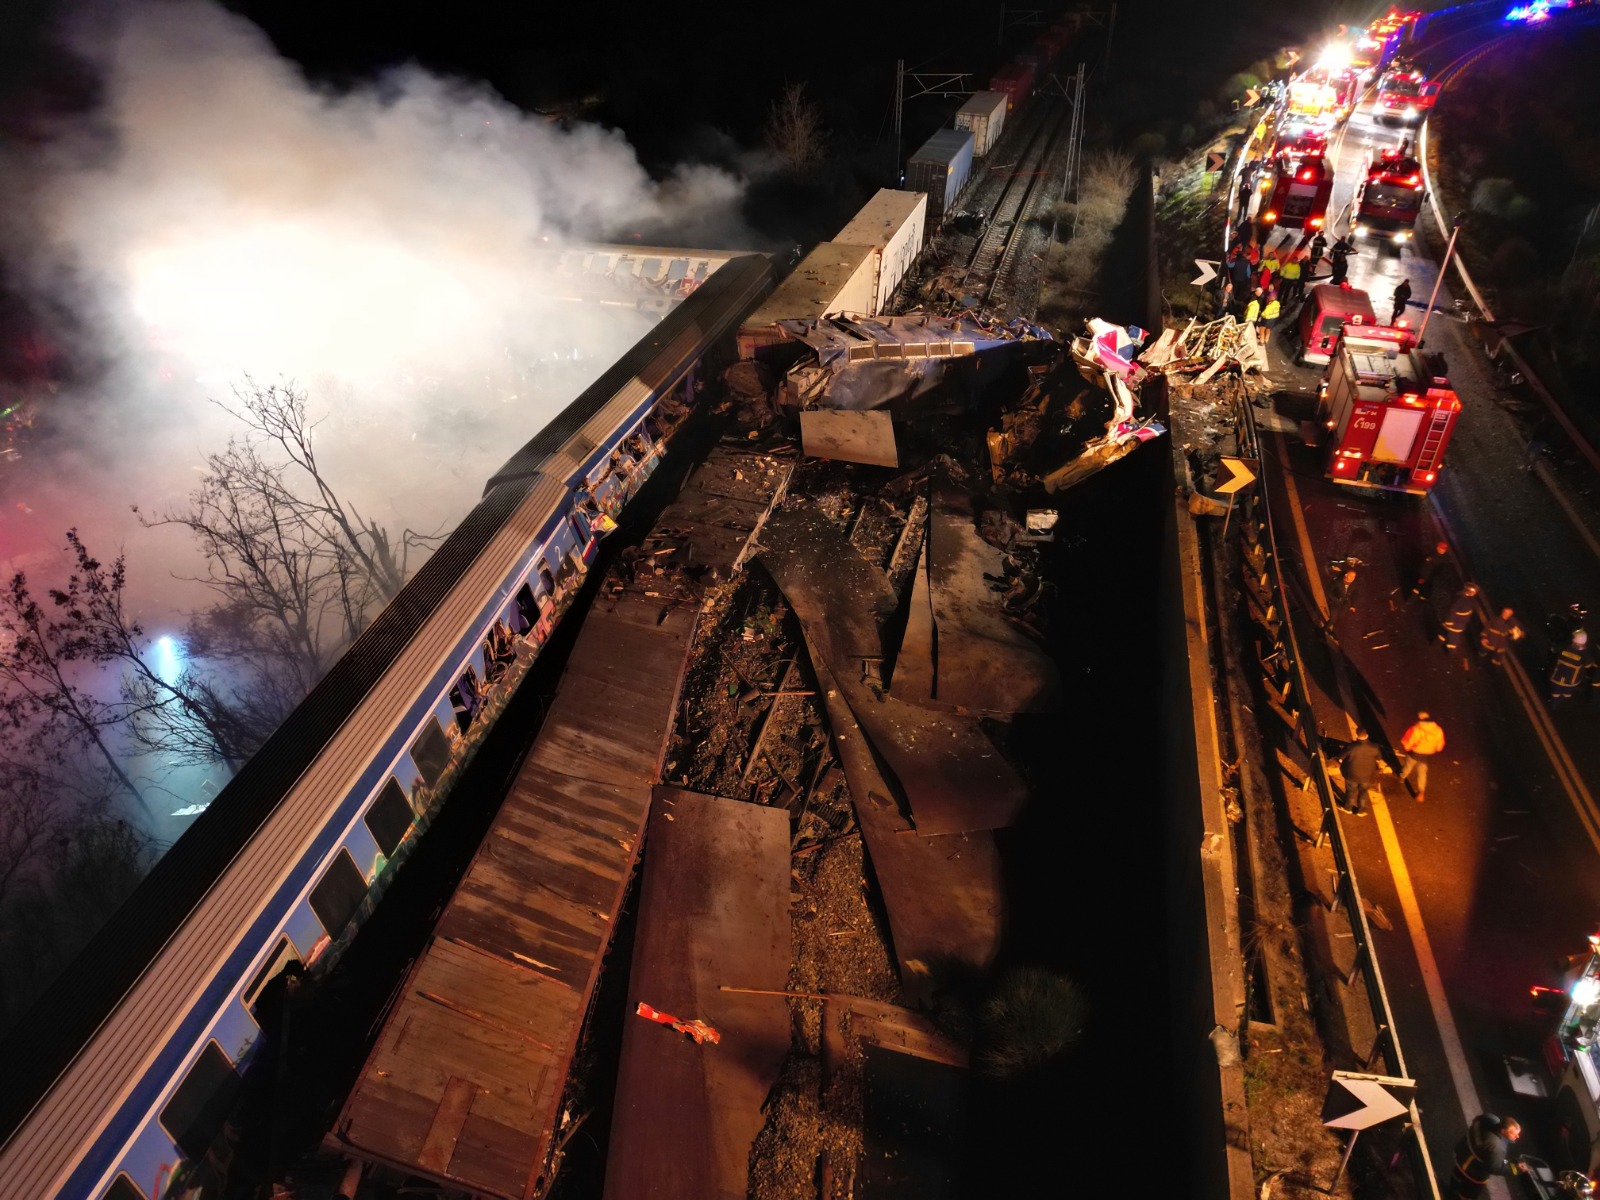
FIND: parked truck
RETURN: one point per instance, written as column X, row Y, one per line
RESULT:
column 1386, row 411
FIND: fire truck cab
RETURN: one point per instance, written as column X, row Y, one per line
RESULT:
column 1386, row 411
column 1405, row 95
column 1300, row 196
column 1327, row 310
column 1389, row 197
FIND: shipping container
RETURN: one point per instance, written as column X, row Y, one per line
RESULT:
column 893, row 223
column 941, row 169
column 1016, row 81
column 833, row 279
column 985, row 116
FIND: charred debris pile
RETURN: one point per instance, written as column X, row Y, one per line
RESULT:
column 862, row 677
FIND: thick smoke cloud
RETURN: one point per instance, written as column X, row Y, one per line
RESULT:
column 386, row 247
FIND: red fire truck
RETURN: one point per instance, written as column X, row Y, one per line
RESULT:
column 1405, row 95
column 1389, row 197
column 1300, row 196
column 1387, row 411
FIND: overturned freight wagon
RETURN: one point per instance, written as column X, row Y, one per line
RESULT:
column 833, row 279
column 984, row 115
column 895, row 362
column 893, row 224
column 941, row 169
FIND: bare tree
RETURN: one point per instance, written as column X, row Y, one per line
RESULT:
column 30, row 814
column 186, row 716
column 43, row 698
column 298, row 570
column 794, row 131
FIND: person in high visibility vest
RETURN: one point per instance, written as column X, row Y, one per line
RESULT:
column 1252, row 310
column 1292, row 273
column 1571, row 665
column 1271, row 310
column 1418, row 744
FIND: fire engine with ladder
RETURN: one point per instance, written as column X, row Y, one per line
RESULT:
column 1386, row 411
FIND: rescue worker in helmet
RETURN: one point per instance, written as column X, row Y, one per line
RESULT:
column 1570, row 669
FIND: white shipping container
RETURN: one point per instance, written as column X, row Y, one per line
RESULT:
column 985, row 116
column 894, row 223
column 833, row 280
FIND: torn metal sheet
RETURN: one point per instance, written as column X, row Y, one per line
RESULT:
column 982, row 661
column 944, row 896
column 859, row 437
column 713, row 910
column 913, row 679
column 952, row 775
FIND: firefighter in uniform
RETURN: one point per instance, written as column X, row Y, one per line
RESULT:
column 1499, row 632
column 1571, row 666
column 1483, row 1152
column 1456, row 620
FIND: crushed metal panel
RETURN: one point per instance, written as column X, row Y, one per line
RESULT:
column 713, row 910
column 859, row 437
column 944, row 895
column 953, row 776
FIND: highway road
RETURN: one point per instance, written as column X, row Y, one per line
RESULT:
column 1486, row 883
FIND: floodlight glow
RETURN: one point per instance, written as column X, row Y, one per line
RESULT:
column 1335, row 57
column 1586, row 991
column 169, row 659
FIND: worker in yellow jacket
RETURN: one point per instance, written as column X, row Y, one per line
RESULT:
column 1418, row 744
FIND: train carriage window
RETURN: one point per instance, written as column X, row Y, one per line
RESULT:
column 524, row 615
column 338, row 894
column 282, row 955
column 389, row 818
column 465, row 696
column 194, row 1115
column 431, row 752
column 123, row 1188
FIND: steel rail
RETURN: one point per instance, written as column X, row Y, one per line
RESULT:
column 996, row 249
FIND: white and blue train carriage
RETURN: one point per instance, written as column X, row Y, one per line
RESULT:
column 118, row 1082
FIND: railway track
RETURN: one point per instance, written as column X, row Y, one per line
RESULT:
column 994, row 258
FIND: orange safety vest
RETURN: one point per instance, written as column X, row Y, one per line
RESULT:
column 1425, row 737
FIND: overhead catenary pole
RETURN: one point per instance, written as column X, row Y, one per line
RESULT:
column 899, row 102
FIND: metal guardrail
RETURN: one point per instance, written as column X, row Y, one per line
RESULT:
column 1285, row 679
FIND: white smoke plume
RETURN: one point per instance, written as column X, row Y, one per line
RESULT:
column 386, row 247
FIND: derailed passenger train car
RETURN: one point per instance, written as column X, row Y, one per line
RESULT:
column 119, row 1080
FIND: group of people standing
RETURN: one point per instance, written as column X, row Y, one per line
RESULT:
column 1261, row 283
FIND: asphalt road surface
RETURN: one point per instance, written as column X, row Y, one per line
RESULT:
column 1492, row 878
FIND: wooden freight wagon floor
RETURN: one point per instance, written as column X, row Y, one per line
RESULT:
column 713, row 910
column 466, row 1080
